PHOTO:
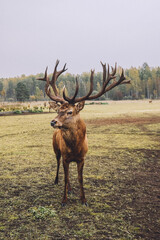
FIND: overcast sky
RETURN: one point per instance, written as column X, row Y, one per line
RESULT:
column 81, row 33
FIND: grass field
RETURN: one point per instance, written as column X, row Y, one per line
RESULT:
column 121, row 177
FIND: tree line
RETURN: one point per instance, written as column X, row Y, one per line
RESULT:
column 145, row 83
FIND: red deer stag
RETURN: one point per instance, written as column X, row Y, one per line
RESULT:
column 69, row 138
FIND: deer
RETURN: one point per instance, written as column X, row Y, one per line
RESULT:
column 69, row 138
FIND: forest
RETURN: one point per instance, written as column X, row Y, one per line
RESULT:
column 145, row 84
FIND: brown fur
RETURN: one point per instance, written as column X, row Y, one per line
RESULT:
column 70, row 142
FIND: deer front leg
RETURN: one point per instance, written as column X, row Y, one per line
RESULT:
column 58, row 156
column 69, row 187
column 80, row 179
column 66, row 180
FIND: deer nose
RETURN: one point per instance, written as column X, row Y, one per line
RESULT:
column 53, row 123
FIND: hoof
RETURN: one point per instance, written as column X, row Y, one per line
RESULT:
column 56, row 181
column 85, row 204
column 63, row 204
column 69, row 192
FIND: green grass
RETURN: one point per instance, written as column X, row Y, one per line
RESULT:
column 121, row 177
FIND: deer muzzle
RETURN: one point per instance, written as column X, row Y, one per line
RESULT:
column 56, row 124
column 53, row 123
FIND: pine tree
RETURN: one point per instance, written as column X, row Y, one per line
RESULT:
column 10, row 90
column 22, row 93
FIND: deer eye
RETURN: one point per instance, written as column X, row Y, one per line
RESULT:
column 69, row 113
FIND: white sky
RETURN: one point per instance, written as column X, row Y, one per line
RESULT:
column 81, row 33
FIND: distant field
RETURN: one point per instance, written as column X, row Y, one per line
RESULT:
column 121, row 176
column 121, row 109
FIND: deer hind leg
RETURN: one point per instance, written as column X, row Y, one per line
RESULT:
column 80, row 166
column 58, row 156
column 69, row 187
column 66, row 180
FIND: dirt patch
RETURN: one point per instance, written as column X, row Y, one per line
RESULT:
column 23, row 113
column 139, row 195
column 125, row 120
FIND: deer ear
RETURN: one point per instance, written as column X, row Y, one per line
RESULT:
column 55, row 106
column 80, row 106
column 58, row 105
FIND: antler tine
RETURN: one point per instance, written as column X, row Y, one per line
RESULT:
column 56, row 74
column 80, row 99
column 122, row 77
column 71, row 100
column 104, row 71
column 91, row 84
column 53, row 97
column 120, row 81
column 45, row 76
column 57, row 62
column 109, row 76
column 64, row 68
column 76, row 91
column 46, row 79
column 126, row 82
column 61, row 71
column 114, row 69
column 108, row 71
column 64, row 95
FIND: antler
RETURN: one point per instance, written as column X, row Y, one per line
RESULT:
column 106, row 85
column 52, row 83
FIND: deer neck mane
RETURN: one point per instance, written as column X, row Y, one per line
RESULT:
column 74, row 133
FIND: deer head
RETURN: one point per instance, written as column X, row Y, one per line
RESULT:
column 67, row 115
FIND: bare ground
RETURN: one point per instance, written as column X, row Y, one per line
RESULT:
column 125, row 120
column 123, row 194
